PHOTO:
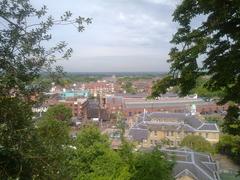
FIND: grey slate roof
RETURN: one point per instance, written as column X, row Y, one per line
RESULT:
column 158, row 103
column 180, row 116
column 182, row 120
column 193, row 122
column 208, row 126
column 138, row 134
column 169, row 122
column 198, row 165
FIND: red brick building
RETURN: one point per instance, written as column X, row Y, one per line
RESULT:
column 135, row 104
column 131, row 108
column 78, row 106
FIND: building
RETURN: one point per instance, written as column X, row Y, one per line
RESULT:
column 115, row 103
column 133, row 104
column 73, row 94
column 94, row 111
column 143, row 85
column 154, row 128
column 99, row 88
column 132, row 107
column 112, row 103
column 78, row 106
column 192, row 165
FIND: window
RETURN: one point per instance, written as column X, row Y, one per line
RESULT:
column 155, row 133
column 171, row 133
column 151, row 141
column 155, row 141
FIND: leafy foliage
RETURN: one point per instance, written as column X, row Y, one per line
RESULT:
column 152, row 165
column 214, row 41
column 58, row 112
column 160, row 86
column 16, row 139
column 231, row 124
column 230, row 145
column 197, row 143
column 128, row 87
column 94, row 159
column 22, row 52
column 203, row 91
column 25, row 151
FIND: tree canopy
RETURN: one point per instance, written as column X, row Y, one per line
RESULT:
column 23, row 53
column 197, row 143
column 153, row 165
column 231, row 124
column 206, row 43
column 58, row 112
column 26, row 151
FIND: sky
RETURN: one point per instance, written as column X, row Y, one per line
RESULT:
column 125, row 35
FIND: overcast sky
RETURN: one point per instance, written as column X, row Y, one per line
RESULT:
column 126, row 35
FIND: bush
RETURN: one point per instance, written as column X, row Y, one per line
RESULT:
column 197, row 143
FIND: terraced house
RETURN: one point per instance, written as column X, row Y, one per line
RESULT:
column 154, row 128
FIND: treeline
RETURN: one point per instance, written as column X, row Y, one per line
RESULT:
column 69, row 78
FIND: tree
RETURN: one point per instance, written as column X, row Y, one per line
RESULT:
column 230, row 146
column 121, row 124
column 16, row 139
column 213, row 41
column 94, row 159
column 207, row 43
column 229, row 143
column 58, row 112
column 128, row 87
column 54, row 138
column 197, row 143
column 231, row 124
column 23, row 57
column 152, row 165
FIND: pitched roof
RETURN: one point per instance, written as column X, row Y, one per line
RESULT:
column 208, row 126
column 168, row 122
column 198, row 165
column 138, row 134
column 161, row 103
column 183, row 121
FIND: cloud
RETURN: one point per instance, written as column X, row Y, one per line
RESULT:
column 124, row 27
column 171, row 3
